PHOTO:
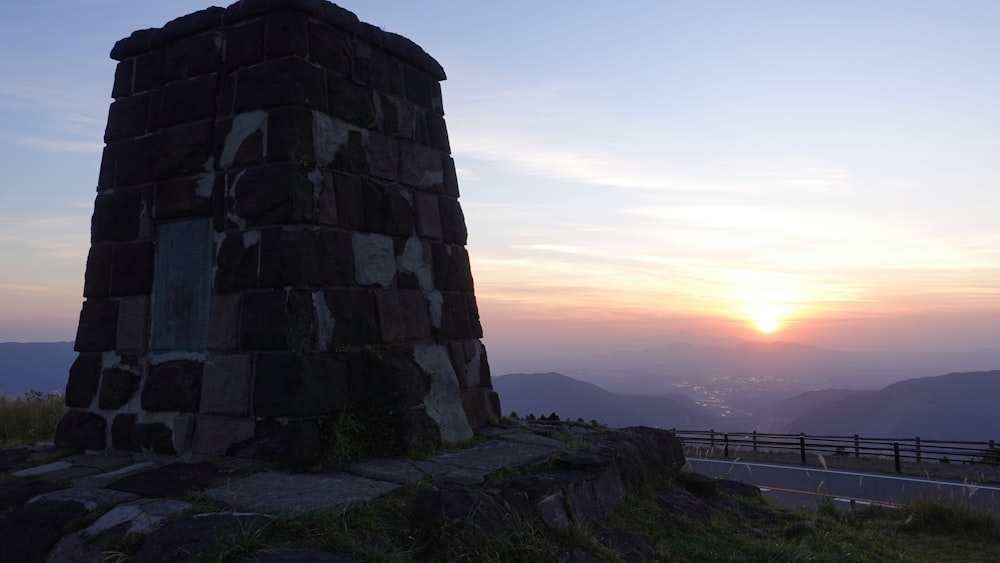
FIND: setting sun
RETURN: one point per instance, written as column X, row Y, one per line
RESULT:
column 766, row 317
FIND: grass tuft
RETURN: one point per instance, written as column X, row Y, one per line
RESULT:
column 29, row 418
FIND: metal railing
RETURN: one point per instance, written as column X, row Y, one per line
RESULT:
column 899, row 449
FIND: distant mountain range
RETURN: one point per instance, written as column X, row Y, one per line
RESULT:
column 956, row 406
column 808, row 367
column 541, row 394
column 43, row 366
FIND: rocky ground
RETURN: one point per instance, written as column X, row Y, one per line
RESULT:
column 62, row 506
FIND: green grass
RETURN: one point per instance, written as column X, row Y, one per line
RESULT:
column 29, row 419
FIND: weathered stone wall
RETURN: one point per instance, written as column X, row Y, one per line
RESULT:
column 276, row 238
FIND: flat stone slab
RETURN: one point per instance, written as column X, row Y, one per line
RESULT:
column 39, row 470
column 535, row 439
column 172, row 480
column 294, row 493
column 91, row 499
column 138, row 517
column 398, row 471
column 15, row 492
column 495, row 455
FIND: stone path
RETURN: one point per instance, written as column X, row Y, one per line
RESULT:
column 139, row 493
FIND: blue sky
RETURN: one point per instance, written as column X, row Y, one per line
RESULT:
column 628, row 169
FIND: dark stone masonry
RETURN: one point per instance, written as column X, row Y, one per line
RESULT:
column 277, row 244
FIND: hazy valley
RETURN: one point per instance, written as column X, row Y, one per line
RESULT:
column 773, row 387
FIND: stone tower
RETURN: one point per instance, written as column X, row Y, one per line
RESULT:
column 277, row 245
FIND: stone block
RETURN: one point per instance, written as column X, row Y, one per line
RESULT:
column 183, row 432
column 98, row 326
column 421, row 166
column 244, row 44
column 315, row 258
column 106, row 174
column 124, row 73
column 327, row 201
column 241, row 140
column 428, row 215
column 403, row 315
column 454, row 317
column 148, row 71
column 237, row 261
column 182, row 150
column 116, row 215
column 383, row 159
column 350, row 201
column 132, row 268
column 214, row 435
column 81, row 429
column 374, row 259
column 288, row 81
column 330, row 47
column 286, row 34
column 193, row 56
column 398, row 212
column 350, row 156
column 477, row 404
column 453, row 229
column 271, row 194
column 187, row 197
column 277, row 320
column 188, row 100
column 97, row 280
column 173, row 386
column 133, row 324
column 122, row 428
column 452, row 271
column 475, row 326
column 297, row 385
column 84, row 378
column 437, row 132
column 386, row 74
column 450, row 187
column 350, row 101
column 459, row 362
column 127, row 117
column 155, row 437
column 418, row 86
column 390, row 368
column 353, row 312
column 225, row 386
column 360, row 205
column 290, row 135
column 117, row 387
column 132, row 161
column 224, row 322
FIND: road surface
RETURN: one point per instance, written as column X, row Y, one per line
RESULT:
column 794, row 485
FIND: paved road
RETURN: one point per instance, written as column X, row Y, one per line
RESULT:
column 794, row 485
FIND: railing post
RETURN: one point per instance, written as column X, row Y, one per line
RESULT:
column 711, row 434
column 802, row 447
column 725, row 447
column 857, row 447
column 992, row 444
column 754, row 441
column 895, row 454
column 916, row 444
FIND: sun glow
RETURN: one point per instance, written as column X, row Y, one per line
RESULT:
column 767, row 317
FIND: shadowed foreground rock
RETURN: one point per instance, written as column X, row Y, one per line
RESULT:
column 552, row 474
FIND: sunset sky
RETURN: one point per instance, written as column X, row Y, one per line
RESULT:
column 628, row 169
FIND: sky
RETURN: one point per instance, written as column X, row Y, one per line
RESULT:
column 630, row 170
